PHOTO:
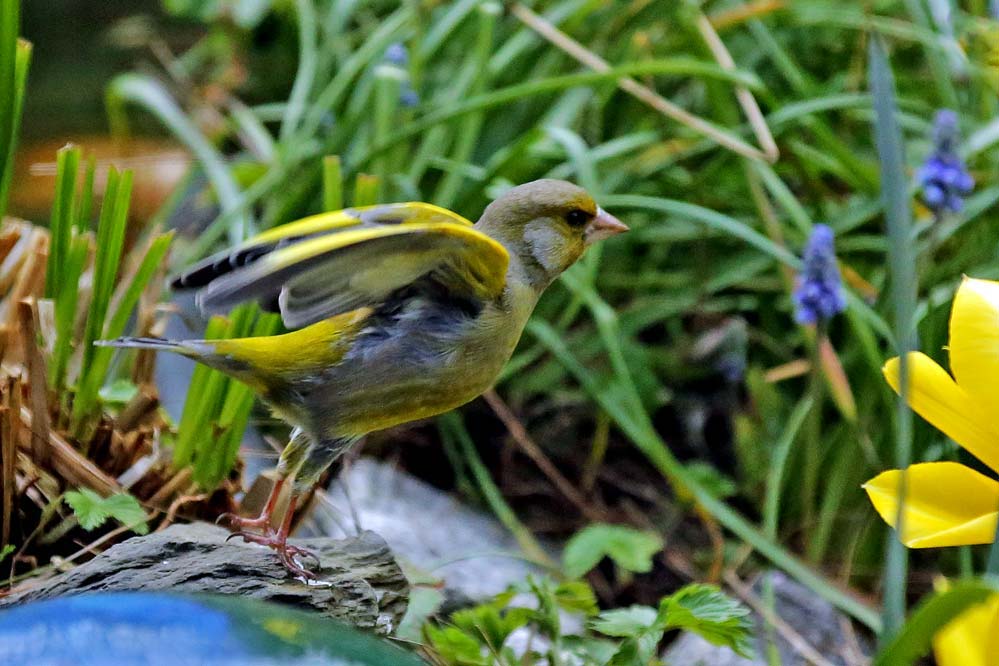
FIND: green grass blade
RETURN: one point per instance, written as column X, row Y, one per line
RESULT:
column 778, row 467
column 468, row 130
column 366, row 187
column 634, row 424
column 308, row 29
column 85, row 205
column 895, row 195
column 154, row 98
column 110, row 243
column 14, row 107
column 202, row 392
column 10, row 27
column 61, row 222
column 332, row 183
column 66, row 300
column 453, row 425
column 710, row 218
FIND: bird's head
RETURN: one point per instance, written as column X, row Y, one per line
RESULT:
column 546, row 225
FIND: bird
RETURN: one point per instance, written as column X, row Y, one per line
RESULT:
column 397, row 312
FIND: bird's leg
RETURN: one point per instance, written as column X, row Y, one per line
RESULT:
column 261, row 522
column 278, row 541
column 291, row 459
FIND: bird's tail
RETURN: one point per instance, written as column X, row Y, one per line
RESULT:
column 158, row 344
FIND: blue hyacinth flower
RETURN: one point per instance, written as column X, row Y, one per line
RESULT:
column 819, row 294
column 944, row 179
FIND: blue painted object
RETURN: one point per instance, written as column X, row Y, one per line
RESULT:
column 138, row 628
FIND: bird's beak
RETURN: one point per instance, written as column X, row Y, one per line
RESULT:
column 603, row 225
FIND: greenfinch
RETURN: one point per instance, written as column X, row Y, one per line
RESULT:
column 402, row 311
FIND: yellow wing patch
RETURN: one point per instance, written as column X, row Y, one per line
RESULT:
column 412, row 212
column 306, row 226
column 487, row 258
column 291, row 354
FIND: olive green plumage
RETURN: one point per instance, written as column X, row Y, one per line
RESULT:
column 403, row 311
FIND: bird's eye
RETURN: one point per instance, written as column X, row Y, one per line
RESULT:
column 577, row 217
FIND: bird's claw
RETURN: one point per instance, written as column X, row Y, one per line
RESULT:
column 285, row 551
column 287, row 558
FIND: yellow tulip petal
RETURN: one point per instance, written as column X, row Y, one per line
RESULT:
column 947, row 504
column 970, row 638
column 974, row 340
column 935, row 396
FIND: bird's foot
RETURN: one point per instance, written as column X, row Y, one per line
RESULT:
column 285, row 551
column 241, row 524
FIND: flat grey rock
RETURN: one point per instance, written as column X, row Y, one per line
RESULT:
column 427, row 528
column 813, row 618
column 361, row 583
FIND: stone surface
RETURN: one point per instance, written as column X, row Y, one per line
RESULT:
column 813, row 618
column 426, row 528
column 361, row 583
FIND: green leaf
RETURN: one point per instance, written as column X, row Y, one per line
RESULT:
column 6, row 550
column 710, row 478
column 118, row 392
column 638, row 650
column 629, row 548
column 455, row 646
column 710, row 613
column 902, row 260
column 576, row 595
column 424, row 601
column 488, row 622
column 625, row 622
column 92, row 510
column 546, row 616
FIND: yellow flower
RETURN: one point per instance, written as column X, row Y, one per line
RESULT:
column 970, row 639
column 949, row 504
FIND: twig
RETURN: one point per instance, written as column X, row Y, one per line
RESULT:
column 726, row 18
column 598, row 450
column 121, row 529
column 717, row 542
column 851, row 651
column 9, row 434
column 742, row 94
column 534, row 452
column 175, row 507
column 787, row 632
column 632, row 87
column 170, row 487
column 37, row 377
column 71, row 465
column 142, row 405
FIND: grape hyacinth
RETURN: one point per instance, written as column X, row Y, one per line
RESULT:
column 397, row 54
column 819, row 294
column 943, row 177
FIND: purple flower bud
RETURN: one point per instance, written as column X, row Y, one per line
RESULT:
column 819, row 294
column 943, row 177
column 397, row 54
column 408, row 97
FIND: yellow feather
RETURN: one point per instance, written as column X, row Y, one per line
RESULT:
column 296, row 353
column 307, row 225
column 410, row 212
column 487, row 258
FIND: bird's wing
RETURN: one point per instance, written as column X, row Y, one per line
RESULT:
column 217, row 265
column 329, row 264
